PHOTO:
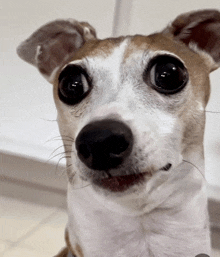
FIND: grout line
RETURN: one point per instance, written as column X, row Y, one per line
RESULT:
column 33, row 230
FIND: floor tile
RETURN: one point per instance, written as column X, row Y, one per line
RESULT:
column 49, row 237
column 24, row 252
column 17, row 218
column 4, row 246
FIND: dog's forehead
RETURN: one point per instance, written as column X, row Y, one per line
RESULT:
column 136, row 51
column 114, row 59
column 129, row 46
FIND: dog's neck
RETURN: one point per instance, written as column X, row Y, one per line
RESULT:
column 131, row 225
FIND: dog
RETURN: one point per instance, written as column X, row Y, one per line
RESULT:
column 131, row 113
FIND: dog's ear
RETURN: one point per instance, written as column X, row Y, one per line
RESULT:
column 199, row 30
column 54, row 43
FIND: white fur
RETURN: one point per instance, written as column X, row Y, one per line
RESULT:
column 164, row 217
column 103, row 228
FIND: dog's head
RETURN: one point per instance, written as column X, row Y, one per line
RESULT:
column 129, row 108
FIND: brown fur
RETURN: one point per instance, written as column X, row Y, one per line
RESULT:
column 63, row 253
column 77, row 252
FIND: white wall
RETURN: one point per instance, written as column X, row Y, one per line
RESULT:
column 26, row 104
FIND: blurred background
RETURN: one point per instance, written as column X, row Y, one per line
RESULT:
column 32, row 170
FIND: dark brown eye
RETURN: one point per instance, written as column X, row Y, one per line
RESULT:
column 166, row 74
column 74, row 85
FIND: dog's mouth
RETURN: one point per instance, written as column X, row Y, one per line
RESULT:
column 122, row 183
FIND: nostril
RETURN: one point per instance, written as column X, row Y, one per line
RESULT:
column 84, row 150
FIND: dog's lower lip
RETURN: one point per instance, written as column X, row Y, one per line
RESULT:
column 121, row 183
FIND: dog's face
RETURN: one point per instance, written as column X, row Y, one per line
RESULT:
column 132, row 108
column 129, row 108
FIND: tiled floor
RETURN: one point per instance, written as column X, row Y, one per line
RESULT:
column 30, row 229
column 32, row 220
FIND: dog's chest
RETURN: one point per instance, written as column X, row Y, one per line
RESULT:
column 104, row 232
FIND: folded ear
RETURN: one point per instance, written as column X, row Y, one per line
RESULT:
column 200, row 29
column 54, row 43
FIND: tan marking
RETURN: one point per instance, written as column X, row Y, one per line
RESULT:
column 101, row 48
column 137, row 43
column 197, row 67
column 91, row 48
column 77, row 251
column 63, row 253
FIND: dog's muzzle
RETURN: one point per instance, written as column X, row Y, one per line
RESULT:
column 104, row 145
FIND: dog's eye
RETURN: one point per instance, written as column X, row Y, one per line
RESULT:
column 166, row 74
column 74, row 85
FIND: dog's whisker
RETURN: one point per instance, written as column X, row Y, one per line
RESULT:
column 68, row 137
column 58, row 163
column 195, row 167
column 65, row 157
column 62, row 138
column 51, row 157
column 62, row 170
column 59, row 147
column 54, row 138
column 212, row 112
column 80, row 187
column 62, row 153
column 65, row 169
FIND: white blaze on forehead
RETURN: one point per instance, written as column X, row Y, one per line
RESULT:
column 112, row 63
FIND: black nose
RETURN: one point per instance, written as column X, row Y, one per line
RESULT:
column 104, row 145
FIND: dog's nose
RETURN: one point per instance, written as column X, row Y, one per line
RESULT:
column 104, row 145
